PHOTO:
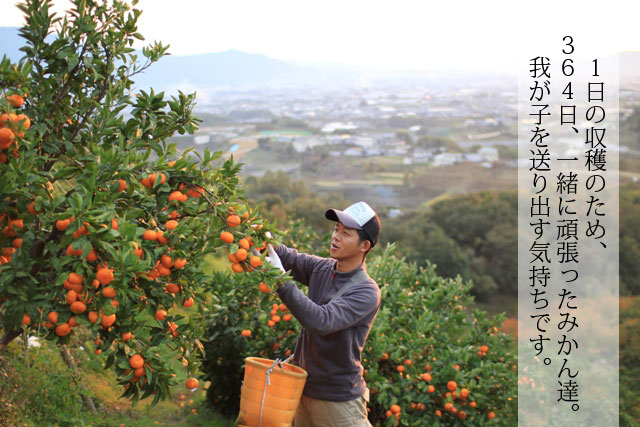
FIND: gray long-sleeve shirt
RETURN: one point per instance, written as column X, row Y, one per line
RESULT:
column 333, row 333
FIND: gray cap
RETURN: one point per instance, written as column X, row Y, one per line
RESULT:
column 359, row 216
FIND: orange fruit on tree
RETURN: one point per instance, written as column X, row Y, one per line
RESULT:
column 451, row 385
column 72, row 322
column 275, row 318
column 241, row 254
column 400, row 368
column 264, row 288
column 171, row 224
column 93, row 316
column 438, row 413
column 161, row 314
column 172, row 288
column 255, row 261
column 72, row 296
column 109, row 292
column 484, row 348
column 188, row 302
column 138, row 372
column 287, row 317
column 426, row 377
column 63, row 329
column 92, row 256
column 491, row 415
column 150, row 235
column 179, row 263
column 62, row 224
column 282, row 307
column 114, row 223
column 136, row 361
column 104, row 275
column 464, row 393
column 6, row 138
column 244, row 244
column 26, row 122
column 126, row 336
column 431, row 389
column 407, row 362
column 462, row 415
column 246, row 333
column 226, row 237
column 191, row 383
column 17, row 243
column 166, row 261
column 7, row 252
column 473, row 404
column 395, row 409
column 163, row 271
column 233, row 220
column 16, row 100
column 448, row 406
column 107, row 320
column 122, row 185
column 78, row 307
column 237, row 267
column 53, row 317
column 161, row 239
column 232, row 258
column 176, row 196
column 31, row 209
column 385, row 356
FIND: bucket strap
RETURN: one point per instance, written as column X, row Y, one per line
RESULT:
column 267, row 380
column 357, row 279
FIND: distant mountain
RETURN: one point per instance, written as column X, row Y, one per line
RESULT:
column 237, row 71
column 231, row 69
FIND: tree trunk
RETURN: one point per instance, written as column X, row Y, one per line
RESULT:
column 68, row 359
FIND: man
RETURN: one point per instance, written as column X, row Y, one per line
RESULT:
column 336, row 318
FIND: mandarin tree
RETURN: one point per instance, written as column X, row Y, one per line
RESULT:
column 104, row 225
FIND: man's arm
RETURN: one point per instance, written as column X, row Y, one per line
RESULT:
column 339, row 314
column 301, row 265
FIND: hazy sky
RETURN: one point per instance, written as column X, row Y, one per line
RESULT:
column 487, row 35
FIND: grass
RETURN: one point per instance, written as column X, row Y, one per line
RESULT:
column 56, row 400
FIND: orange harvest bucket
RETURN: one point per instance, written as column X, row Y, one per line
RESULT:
column 270, row 393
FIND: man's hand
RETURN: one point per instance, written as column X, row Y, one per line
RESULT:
column 274, row 259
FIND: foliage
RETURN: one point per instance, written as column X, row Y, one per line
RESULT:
column 90, row 190
column 473, row 236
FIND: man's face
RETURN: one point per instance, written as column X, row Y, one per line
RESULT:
column 344, row 243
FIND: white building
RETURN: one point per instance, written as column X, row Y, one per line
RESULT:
column 490, row 154
column 446, row 159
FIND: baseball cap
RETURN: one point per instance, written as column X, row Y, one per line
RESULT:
column 359, row 216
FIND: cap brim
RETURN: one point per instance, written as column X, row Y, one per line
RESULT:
column 343, row 217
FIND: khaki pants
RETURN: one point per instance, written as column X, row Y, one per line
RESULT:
column 324, row 413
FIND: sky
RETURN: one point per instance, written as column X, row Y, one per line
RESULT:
column 398, row 35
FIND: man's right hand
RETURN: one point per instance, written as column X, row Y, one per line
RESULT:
column 274, row 259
